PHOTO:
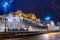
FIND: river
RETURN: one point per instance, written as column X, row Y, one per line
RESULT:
column 48, row 36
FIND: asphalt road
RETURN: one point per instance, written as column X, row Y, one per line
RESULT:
column 48, row 36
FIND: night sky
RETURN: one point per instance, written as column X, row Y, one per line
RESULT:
column 41, row 8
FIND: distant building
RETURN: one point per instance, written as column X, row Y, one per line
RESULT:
column 53, row 26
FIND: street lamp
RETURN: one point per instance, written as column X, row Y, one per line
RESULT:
column 47, row 19
column 5, row 5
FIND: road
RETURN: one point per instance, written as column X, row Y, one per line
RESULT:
column 48, row 36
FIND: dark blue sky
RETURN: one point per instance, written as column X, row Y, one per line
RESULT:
column 40, row 8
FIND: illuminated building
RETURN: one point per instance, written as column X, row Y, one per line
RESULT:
column 30, row 18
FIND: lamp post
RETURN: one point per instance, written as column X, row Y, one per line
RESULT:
column 5, row 9
column 5, row 4
column 47, row 19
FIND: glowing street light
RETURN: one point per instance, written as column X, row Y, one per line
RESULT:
column 47, row 19
column 6, row 4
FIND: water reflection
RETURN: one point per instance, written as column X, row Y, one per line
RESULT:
column 48, row 36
